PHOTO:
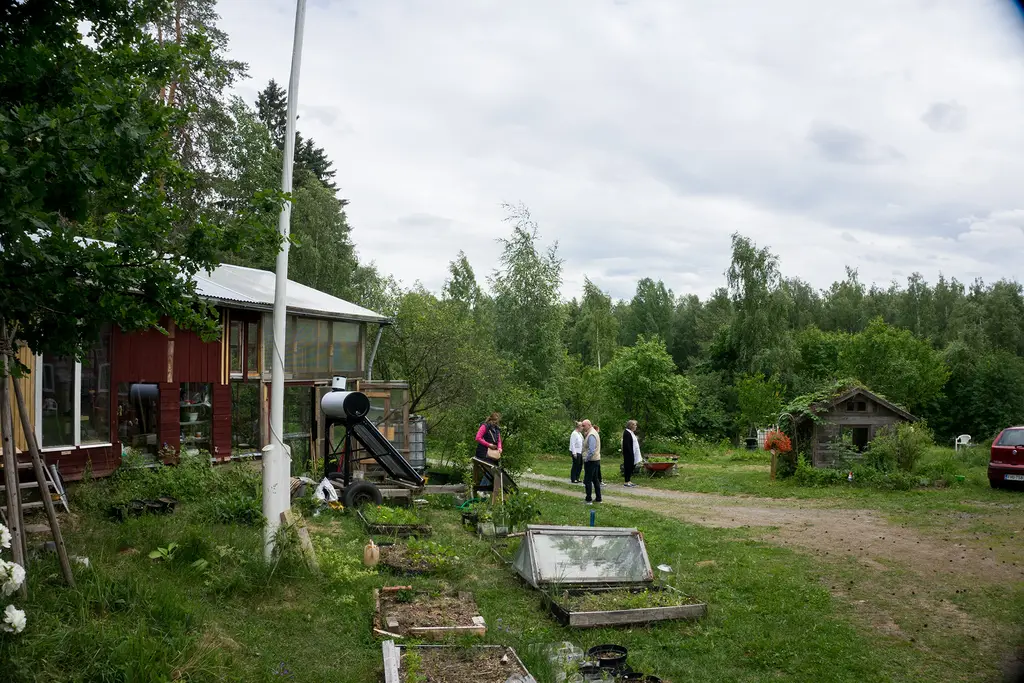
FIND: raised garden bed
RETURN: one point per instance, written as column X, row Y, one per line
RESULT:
column 614, row 606
column 397, row 522
column 416, row 557
column 453, row 664
column 404, row 612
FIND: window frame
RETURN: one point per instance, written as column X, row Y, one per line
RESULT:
column 76, row 428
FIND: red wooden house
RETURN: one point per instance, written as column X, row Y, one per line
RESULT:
column 160, row 394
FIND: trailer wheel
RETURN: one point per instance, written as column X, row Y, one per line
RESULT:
column 361, row 493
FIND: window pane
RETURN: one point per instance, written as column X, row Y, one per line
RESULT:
column 95, row 391
column 252, row 339
column 304, row 361
column 268, row 342
column 298, row 426
column 345, row 347
column 245, row 417
column 323, row 349
column 58, row 401
column 196, row 416
column 235, row 347
column 138, row 410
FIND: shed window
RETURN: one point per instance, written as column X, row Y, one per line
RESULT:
column 235, row 345
column 138, row 412
column 345, row 347
column 856, row 406
column 245, row 417
column 59, row 379
column 94, row 392
column 196, row 405
column 316, row 349
column 252, row 349
column 859, row 435
column 74, row 397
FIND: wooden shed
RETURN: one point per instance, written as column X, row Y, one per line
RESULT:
column 853, row 411
column 160, row 394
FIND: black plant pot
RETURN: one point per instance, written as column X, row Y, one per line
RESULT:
column 608, row 656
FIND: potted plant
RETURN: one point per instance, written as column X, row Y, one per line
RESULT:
column 485, row 525
column 776, row 442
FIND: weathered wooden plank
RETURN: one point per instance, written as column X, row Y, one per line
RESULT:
column 636, row 616
column 441, row 489
column 438, row 632
column 305, row 543
column 396, row 493
column 391, row 662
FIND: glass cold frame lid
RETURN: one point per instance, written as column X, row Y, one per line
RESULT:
column 583, row 555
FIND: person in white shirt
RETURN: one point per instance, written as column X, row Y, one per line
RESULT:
column 631, row 457
column 576, row 451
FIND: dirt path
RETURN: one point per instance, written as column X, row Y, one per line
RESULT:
column 862, row 534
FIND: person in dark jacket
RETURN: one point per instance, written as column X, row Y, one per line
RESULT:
column 630, row 452
column 488, row 447
column 488, row 438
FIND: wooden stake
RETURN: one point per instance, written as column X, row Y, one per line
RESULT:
column 44, row 488
column 14, row 518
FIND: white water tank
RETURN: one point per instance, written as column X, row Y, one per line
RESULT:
column 342, row 405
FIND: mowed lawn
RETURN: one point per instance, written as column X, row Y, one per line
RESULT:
column 774, row 613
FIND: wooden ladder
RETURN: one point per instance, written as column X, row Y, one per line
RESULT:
column 53, row 486
column 47, row 482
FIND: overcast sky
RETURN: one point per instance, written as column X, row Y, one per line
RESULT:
column 887, row 135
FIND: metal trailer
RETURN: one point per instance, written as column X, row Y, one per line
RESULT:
column 363, row 442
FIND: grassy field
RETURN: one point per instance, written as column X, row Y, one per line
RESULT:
column 216, row 612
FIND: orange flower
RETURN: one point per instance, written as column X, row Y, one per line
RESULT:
column 776, row 440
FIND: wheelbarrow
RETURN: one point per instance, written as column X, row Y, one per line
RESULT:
column 655, row 469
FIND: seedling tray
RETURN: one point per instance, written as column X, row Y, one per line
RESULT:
column 566, row 615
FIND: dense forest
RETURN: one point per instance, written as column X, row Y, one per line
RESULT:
column 509, row 340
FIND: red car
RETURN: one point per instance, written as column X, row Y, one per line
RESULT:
column 1006, row 464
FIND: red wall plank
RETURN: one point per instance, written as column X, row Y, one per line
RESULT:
column 100, row 461
column 169, row 429
column 194, row 359
column 139, row 357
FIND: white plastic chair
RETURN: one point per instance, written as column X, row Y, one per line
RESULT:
column 962, row 440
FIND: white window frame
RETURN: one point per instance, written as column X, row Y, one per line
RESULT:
column 77, row 413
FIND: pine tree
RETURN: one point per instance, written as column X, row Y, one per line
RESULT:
column 272, row 109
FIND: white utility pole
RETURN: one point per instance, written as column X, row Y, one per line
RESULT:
column 276, row 461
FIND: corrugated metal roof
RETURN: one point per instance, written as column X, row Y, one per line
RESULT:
column 252, row 288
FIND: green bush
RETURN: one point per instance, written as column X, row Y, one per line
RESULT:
column 944, row 468
column 805, row 474
column 233, row 507
column 863, row 477
column 668, row 445
column 899, row 447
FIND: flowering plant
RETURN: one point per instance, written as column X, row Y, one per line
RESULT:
column 777, row 441
column 12, row 575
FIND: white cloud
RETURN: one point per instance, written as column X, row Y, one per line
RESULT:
column 642, row 134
